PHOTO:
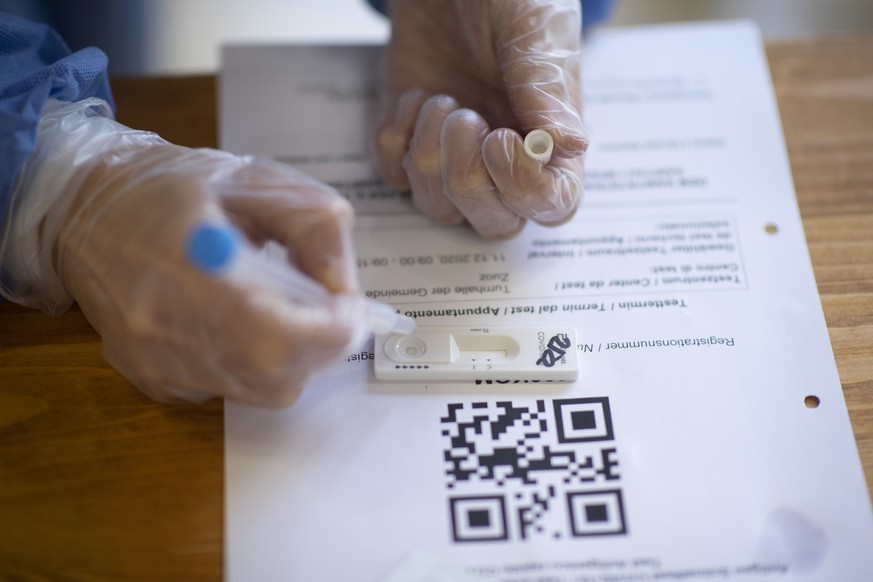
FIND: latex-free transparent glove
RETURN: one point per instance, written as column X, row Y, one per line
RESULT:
column 465, row 80
column 101, row 215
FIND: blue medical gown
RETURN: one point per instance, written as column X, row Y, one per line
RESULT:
column 35, row 65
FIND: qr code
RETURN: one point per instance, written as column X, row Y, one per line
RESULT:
column 523, row 471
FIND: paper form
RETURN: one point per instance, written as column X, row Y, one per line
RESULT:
column 685, row 451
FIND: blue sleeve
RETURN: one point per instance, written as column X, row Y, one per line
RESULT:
column 380, row 5
column 593, row 11
column 35, row 64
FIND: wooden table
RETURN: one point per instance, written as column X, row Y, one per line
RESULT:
column 97, row 482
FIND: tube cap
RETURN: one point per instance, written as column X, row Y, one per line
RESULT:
column 539, row 144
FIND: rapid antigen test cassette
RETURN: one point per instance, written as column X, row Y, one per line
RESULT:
column 477, row 353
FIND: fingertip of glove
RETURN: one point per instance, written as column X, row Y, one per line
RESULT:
column 564, row 219
column 501, row 140
column 503, row 231
column 338, row 279
column 571, row 145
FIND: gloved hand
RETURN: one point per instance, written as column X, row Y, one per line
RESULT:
column 113, row 238
column 464, row 79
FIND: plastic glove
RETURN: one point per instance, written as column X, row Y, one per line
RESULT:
column 101, row 215
column 464, row 79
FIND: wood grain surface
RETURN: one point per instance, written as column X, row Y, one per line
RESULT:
column 99, row 483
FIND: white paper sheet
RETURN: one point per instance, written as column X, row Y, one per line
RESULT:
column 684, row 452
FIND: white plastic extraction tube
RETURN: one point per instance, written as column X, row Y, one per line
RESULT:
column 539, row 144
